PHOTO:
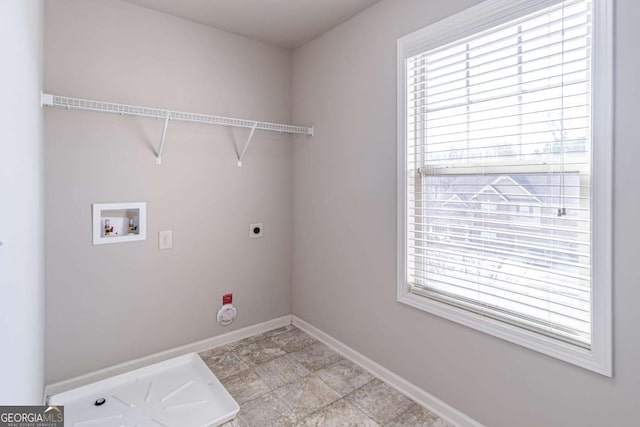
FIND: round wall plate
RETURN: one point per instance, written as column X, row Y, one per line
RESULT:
column 226, row 314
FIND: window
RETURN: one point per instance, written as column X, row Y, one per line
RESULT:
column 504, row 177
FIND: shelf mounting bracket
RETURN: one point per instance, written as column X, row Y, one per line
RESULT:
column 246, row 145
column 164, row 134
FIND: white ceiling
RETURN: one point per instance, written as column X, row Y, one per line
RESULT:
column 285, row 23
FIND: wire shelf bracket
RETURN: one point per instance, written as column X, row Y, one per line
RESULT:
column 164, row 134
column 246, row 145
column 69, row 103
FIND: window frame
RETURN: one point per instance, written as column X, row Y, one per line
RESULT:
column 483, row 16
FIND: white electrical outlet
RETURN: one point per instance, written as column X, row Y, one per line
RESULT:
column 165, row 240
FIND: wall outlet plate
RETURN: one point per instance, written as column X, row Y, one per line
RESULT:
column 165, row 239
column 256, row 230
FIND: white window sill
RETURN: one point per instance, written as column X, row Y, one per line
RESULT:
column 579, row 356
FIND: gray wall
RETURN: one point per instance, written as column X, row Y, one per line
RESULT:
column 21, row 204
column 344, row 260
column 113, row 303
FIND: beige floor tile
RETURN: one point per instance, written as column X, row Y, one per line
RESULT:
column 266, row 410
column 279, row 331
column 417, row 416
column 246, row 341
column 280, row 371
column 340, row 413
column 245, row 386
column 293, row 340
column 226, row 364
column 344, row 376
column 316, row 356
column 307, row 395
column 259, row 352
column 216, row 351
column 380, row 401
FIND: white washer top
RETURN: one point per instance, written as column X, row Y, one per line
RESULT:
column 180, row 392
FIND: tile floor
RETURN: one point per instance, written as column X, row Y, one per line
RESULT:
column 284, row 377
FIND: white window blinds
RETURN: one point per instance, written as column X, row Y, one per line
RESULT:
column 498, row 147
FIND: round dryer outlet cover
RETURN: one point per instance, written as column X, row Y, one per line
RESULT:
column 226, row 314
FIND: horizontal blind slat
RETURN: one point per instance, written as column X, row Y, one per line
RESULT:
column 432, row 84
column 452, row 46
column 516, row 103
column 518, row 90
column 580, row 293
column 481, row 257
column 487, row 221
column 513, row 254
column 501, row 135
column 508, row 295
column 472, row 51
column 551, row 239
column 504, row 194
column 516, row 244
column 477, row 74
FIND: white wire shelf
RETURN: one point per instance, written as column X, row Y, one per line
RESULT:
column 49, row 100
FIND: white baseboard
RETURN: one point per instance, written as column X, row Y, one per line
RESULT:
column 410, row 390
column 196, row 347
